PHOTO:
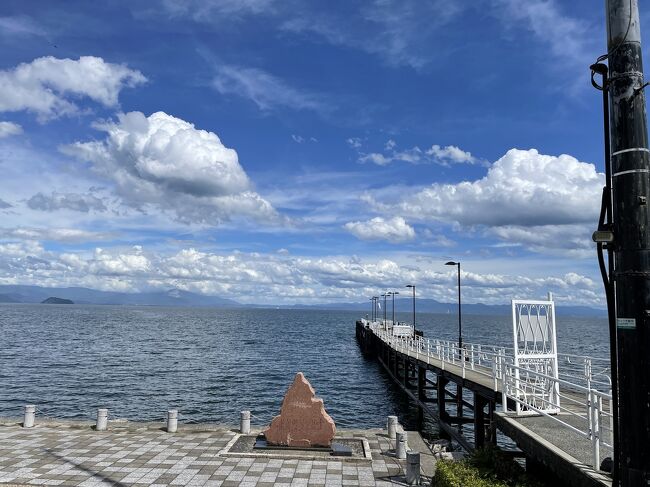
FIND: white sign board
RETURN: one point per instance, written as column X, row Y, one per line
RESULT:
column 402, row 330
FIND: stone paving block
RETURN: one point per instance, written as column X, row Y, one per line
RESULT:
column 67, row 456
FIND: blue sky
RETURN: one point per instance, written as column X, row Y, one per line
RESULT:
column 283, row 151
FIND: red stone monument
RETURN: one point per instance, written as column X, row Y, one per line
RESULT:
column 303, row 421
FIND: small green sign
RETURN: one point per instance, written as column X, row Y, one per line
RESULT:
column 626, row 323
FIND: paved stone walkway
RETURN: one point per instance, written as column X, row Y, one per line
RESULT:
column 74, row 454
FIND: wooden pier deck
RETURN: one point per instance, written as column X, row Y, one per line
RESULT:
column 435, row 378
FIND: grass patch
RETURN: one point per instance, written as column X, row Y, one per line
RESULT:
column 461, row 474
column 487, row 467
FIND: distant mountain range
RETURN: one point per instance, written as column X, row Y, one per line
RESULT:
column 82, row 295
column 176, row 297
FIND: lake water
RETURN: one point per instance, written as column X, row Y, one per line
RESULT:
column 212, row 363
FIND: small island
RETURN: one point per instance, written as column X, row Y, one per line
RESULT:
column 53, row 300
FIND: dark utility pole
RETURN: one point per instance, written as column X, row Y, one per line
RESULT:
column 630, row 194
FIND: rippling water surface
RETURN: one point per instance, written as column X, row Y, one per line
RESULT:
column 212, row 363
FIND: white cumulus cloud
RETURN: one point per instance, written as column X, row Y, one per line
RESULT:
column 523, row 188
column 9, row 128
column 451, row 154
column 545, row 203
column 394, row 229
column 47, row 85
column 436, row 154
column 164, row 162
column 275, row 278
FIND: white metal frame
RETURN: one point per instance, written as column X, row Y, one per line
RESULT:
column 535, row 348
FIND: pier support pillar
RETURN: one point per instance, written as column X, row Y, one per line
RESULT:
column 479, row 420
column 422, row 395
column 442, row 393
column 396, row 365
column 492, row 437
column 406, row 364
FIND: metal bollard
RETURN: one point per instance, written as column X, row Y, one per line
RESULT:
column 30, row 415
column 245, row 422
column 400, row 446
column 102, row 419
column 392, row 427
column 172, row 421
column 413, row 468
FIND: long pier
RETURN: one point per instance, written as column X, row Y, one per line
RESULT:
column 561, row 422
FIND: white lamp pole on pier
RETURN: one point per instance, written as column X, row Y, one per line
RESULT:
column 412, row 286
column 460, row 321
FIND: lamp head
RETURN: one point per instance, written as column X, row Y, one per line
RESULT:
column 410, row 285
column 451, row 262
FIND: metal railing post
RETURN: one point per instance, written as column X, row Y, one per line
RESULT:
column 504, row 386
column 595, row 430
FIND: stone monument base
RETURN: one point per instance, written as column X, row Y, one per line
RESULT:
column 336, row 449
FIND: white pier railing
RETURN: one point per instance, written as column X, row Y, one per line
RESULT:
column 578, row 399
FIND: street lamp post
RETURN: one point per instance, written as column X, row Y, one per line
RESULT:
column 460, row 325
column 459, row 388
column 394, row 293
column 389, row 293
column 413, row 287
column 384, row 296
